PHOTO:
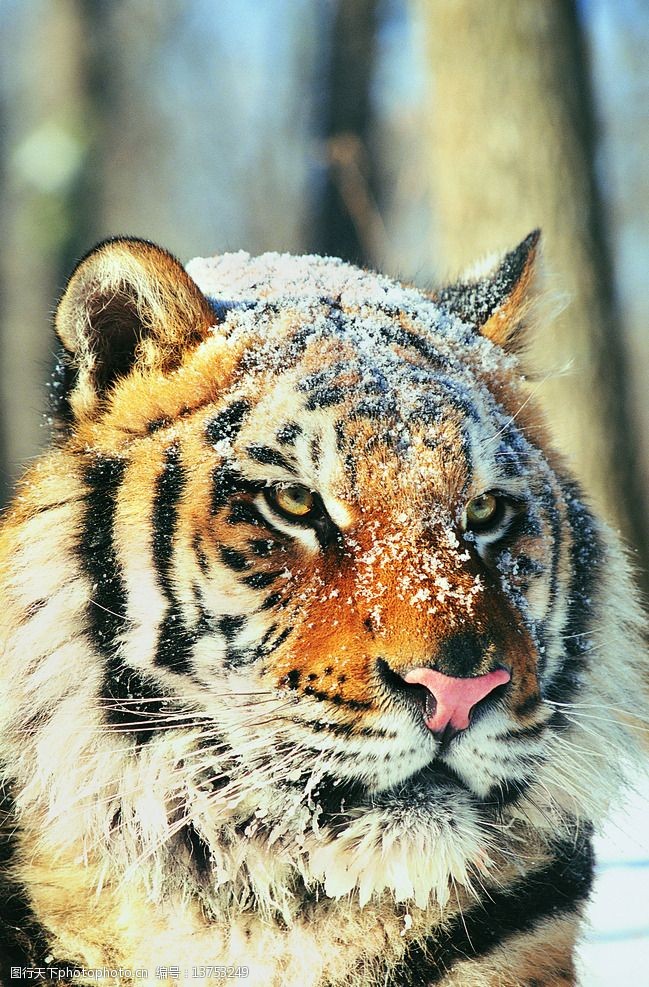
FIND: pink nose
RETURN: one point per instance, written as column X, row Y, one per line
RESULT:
column 454, row 698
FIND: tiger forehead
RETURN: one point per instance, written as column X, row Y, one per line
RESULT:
column 322, row 336
column 351, row 419
column 352, row 363
column 359, row 447
column 381, row 364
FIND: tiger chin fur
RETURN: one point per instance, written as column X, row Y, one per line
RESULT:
column 221, row 746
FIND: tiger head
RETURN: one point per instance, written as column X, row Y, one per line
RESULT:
column 323, row 543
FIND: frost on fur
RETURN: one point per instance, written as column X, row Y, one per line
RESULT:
column 286, row 499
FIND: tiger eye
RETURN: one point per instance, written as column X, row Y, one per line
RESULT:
column 481, row 510
column 295, row 499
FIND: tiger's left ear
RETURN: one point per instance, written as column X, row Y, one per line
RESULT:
column 497, row 300
column 129, row 304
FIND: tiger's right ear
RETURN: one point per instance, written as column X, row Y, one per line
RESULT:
column 128, row 304
column 498, row 300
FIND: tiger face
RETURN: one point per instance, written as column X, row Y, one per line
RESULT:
column 339, row 580
column 308, row 605
column 341, row 512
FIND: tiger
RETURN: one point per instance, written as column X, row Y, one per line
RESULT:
column 318, row 669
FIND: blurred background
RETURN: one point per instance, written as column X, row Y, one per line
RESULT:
column 413, row 136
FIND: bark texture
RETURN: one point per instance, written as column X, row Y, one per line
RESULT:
column 511, row 147
column 348, row 224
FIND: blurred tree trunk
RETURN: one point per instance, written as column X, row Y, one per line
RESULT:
column 42, row 49
column 511, row 147
column 349, row 224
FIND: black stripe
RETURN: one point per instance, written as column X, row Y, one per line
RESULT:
column 320, row 726
column 326, row 397
column 34, row 607
column 340, row 729
column 267, row 636
column 227, row 423
column 520, row 733
column 301, row 338
column 230, row 625
column 134, row 701
column 205, row 624
column 201, row 557
column 508, row 462
column 287, row 434
column 107, row 611
column 506, row 792
column 233, row 559
column 322, row 379
column 527, row 566
column 175, row 640
column 226, row 482
column 397, row 335
column 279, row 640
column 373, row 407
column 316, row 450
column 351, row 470
column 236, row 657
column 336, row 699
column 243, row 512
column 260, row 580
column 264, row 546
column 549, row 503
column 341, row 438
column 175, row 643
column 587, row 556
column 156, row 424
column 549, row 892
column 529, row 704
column 164, row 518
column 270, row 457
